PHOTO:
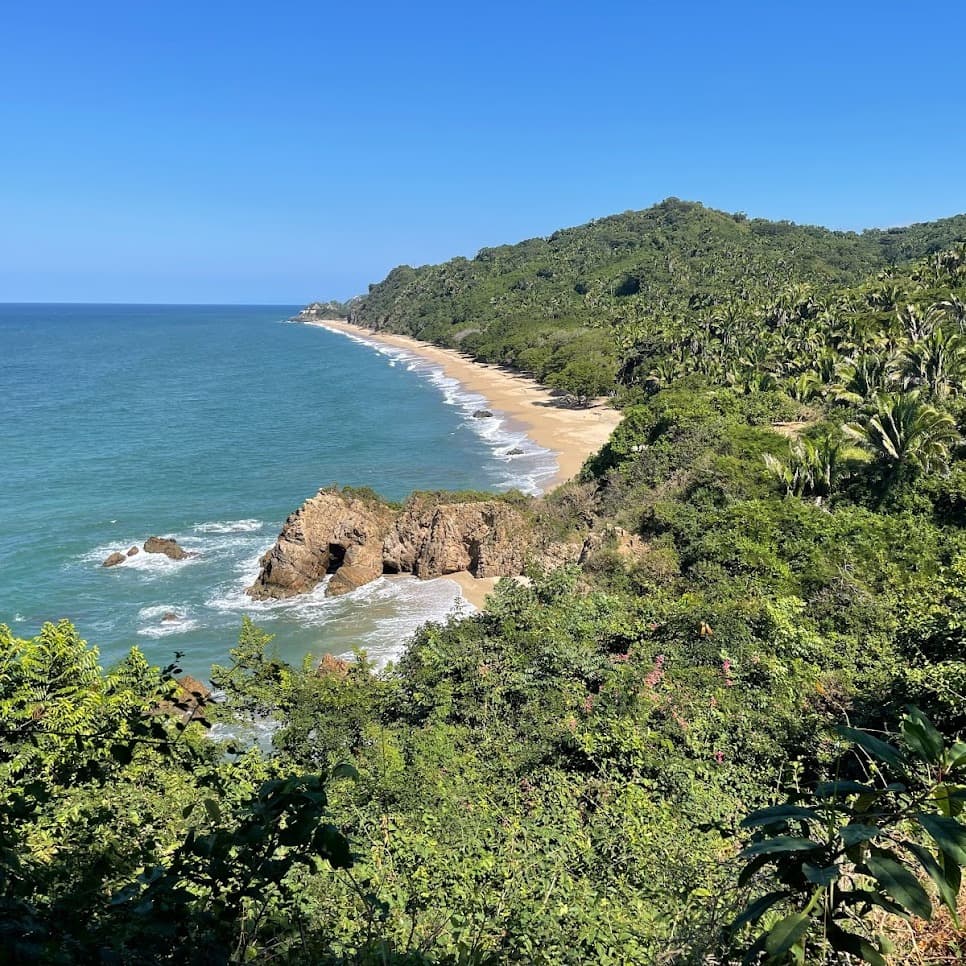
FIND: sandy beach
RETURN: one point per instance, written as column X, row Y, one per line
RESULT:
column 571, row 434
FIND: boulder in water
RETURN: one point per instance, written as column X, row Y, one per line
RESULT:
column 482, row 414
column 165, row 545
column 114, row 559
column 133, row 551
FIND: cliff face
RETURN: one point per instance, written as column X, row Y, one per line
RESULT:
column 431, row 539
column 357, row 540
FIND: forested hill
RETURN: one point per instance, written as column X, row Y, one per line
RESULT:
column 545, row 303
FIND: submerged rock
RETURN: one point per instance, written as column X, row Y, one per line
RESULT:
column 165, row 545
column 114, row 559
column 133, row 551
column 354, row 540
column 482, row 414
column 516, row 451
column 170, row 618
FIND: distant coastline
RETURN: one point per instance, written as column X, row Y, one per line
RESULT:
column 571, row 434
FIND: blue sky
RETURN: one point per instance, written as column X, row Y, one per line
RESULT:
column 256, row 152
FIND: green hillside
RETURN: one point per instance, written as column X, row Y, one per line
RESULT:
column 548, row 303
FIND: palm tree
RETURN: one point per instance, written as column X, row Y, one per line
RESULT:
column 907, row 435
column 955, row 308
column 865, row 375
column 936, row 363
column 810, row 468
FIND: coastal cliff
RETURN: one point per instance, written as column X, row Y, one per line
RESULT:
column 356, row 538
column 322, row 312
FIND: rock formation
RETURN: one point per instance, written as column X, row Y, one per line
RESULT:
column 165, row 545
column 188, row 702
column 114, row 559
column 357, row 539
column 482, row 414
column 133, row 551
column 430, row 539
column 331, row 533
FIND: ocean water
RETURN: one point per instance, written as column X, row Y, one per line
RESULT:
column 211, row 424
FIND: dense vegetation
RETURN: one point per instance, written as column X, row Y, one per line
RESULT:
column 551, row 305
column 665, row 754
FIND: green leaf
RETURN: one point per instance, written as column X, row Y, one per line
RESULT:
column 786, row 933
column 847, row 942
column 855, row 833
column 779, row 813
column 821, row 876
column 751, row 868
column 956, row 756
column 755, row 910
column 948, row 834
column 920, row 735
column 873, row 746
column 945, row 796
column 345, row 770
column 211, row 807
column 780, row 843
column 899, row 883
column 948, row 891
column 332, row 845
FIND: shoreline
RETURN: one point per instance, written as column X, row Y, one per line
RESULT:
column 571, row 435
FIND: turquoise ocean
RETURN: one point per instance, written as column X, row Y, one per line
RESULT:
column 211, row 424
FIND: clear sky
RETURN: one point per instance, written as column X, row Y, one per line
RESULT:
column 279, row 152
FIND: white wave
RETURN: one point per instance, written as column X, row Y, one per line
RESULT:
column 166, row 628
column 143, row 562
column 538, row 465
column 229, row 526
column 380, row 617
column 150, row 613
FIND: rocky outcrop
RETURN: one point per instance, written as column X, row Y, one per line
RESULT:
column 188, row 702
column 482, row 414
column 356, row 539
column 165, row 545
column 332, row 533
column 431, row 539
column 321, row 311
column 133, row 551
column 114, row 559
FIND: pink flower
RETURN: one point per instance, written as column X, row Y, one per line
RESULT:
column 656, row 674
column 719, row 757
